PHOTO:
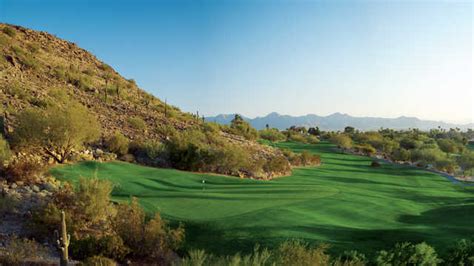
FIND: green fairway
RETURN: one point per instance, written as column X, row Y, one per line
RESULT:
column 344, row 202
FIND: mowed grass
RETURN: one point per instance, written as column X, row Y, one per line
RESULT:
column 344, row 202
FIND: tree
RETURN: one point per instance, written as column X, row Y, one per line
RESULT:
column 349, row 130
column 240, row 127
column 343, row 141
column 56, row 131
column 118, row 143
column 314, row 131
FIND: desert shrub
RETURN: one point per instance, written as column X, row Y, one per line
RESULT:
column 195, row 257
column 298, row 253
column 93, row 199
column 292, row 157
column 427, row 156
column 296, row 137
column 25, row 58
column 259, row 257
column 5, row 152
column 230, row 159
column 9, row 31
column 365, row 148
column 461, row 253
column 374, row 164
column 24, row 169
column 447, row 146
column 342, row 141
column 151, row 152
column 401, row 154
column 118, row 143
column 211, row 127
column 18, row 250
column 16, row 89
column 240, row 127
column 110, row 246
column 272, row 134
column 166, row 131
column 33, row 47
column 408, row 254
column 8, row 203
column 86, row 207
column 137, row 123
column 308, row 158
column 410, row 143
column 351, row 258
column 277, row 164
column 98, row 261
column 3, row 42
column 312, row 139
column 56, row 131
column 153, row 239
column 466, row 161
column 446, row 165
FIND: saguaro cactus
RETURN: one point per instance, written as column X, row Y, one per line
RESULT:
column 63, row 241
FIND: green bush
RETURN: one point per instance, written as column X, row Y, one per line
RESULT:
column 272, row 134
column 98, row 261
column 110, row 246
column 366, row 149
column 137, row 123
column 308, row 158
column 277, row 164
column 9, row 31
column 93, row 200
column 19, row 250
column 427, row 156
column 149, row 240
column 461, row 253
column 240, row 127
column 297, row 253
column 342, row 141
column 408, row 254
column 5, row 152
column 56, row 131
column 26, row 170
column 296, row 137
column 26, row 59
column 401, row 154
column 118, row 143
column 351, row 258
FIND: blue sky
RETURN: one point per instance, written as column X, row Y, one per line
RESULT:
column 365, row 58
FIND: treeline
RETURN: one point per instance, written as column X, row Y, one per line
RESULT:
column 298, row 253
column 443, row 150
column 61, row 130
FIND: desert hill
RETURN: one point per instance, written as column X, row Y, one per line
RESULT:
column 38, row 69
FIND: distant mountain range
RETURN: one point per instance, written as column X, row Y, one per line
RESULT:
column 338, row 121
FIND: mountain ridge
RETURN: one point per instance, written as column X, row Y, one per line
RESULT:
column 337, row 121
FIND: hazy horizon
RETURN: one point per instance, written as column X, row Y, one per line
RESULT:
column 328, row 114
column 364, row 58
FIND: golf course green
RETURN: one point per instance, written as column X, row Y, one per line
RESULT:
column 345, row 202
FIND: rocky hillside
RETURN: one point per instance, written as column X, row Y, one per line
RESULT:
column 38, row 69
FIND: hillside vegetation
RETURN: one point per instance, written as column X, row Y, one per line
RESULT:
column 42, row 77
